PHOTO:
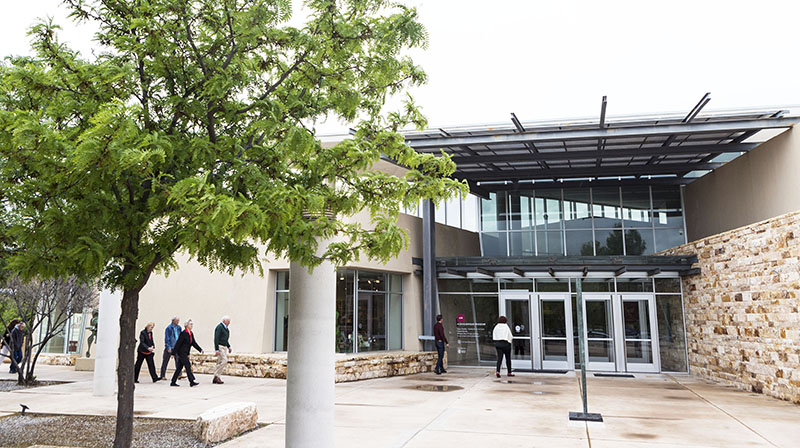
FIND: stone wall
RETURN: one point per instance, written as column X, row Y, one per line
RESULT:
column 742, row 321
column 56, row 359
column 348, row 367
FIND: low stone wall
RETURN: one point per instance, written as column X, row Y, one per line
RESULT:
column 742, row 320
column 348, row 367
column 55, row 359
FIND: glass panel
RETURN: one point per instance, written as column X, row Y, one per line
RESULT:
column 551, row 285
column 344, row 311
column 579, row 242
column 554, row 319
column 395, row 283
column 636, row 206
column 467, row 285
column 282, row 281
column 494, row 244
column 668, row 218
column 76, row 323
column 577, row 209
column 634, row 285
column 521, row 349
column 550, row 243
column 606, row 207
column 636, row 315
column 371, row 321
column 595, row 285
column 598, row 319
column 468, row 323
column 281, row 320
column 518, row 284
column 600, row 351
column 493, row 212
column 526, row 201
column 554, row 349
column 522, row 244
column 666, row 197
column 56, row 344
column 453, row 211
column 668, row 285
column 669, row 238
column 671, row 338
column 548, row 210
column 519, row 317
column 371, row 281
column 395, row 322
column 639, row 352
column 639, row 242
column 608, row 242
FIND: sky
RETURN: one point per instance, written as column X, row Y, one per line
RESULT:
column 556, row 59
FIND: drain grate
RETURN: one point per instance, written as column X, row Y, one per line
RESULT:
column 614, row 375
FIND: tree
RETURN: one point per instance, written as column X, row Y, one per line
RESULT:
column 192, row 130
column 634, row 243
column 44, row 306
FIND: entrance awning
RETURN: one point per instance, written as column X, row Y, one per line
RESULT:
column 599, row 266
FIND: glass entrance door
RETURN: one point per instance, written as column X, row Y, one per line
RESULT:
column 599, row 332
column 555, row 331
column 638, row 321
column 516, row 307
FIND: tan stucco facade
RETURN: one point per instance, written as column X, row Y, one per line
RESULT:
column 759, row 185
column 192, row 292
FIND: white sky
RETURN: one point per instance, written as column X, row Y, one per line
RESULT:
column 555, row 59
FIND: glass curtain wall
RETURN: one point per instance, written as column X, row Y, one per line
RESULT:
column 636, row 220
column 70, row 339
column 369, row 311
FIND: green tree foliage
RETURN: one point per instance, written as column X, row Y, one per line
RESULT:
column 191, row 129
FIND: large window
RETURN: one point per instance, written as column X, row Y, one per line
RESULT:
column 369, row 311
column 636, row 220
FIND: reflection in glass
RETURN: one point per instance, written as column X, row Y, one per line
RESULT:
column 579, row 242
column 666, row 197
column 517, row 284
column 522, row 244
column 671, row 338
column 281, row 320
column 550, row 243
column 606, row 207
column 371, row 321
column 493, row 244
column 636, row 318
column 518, row 314
column 521, row 349
column 599, row 331
column 668, row 218
column 554, row 319
column 609, row 242
column 668, row 285
column 577, row 209
column 548, row 209
column 600, row 351
column 625, row 284
column 554, row 349
column 636, row 206
column 468, row 323
column 344, row 310
column 395, row 322
column 669, row 238
column 636, row 242
column 493, row 212
column 551, row 285
column 639, row 352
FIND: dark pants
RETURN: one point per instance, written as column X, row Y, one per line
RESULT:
column 165, row 361
column 151, row 365
column 17, row 358
column 503, row 349
column 439, row 362
column 183, row 363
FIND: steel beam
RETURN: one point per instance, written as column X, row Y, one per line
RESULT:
column 607, row 133
column 661, row 168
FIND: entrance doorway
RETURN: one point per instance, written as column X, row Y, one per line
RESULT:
column 620, row 331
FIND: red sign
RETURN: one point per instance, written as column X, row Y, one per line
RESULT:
column 461, row 318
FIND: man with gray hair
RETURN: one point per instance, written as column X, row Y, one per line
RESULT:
column 222, row 347
column 171, row 334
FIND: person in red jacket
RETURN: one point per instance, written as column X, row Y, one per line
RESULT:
column 185, row 342
column 146, row 352
column 441, row 343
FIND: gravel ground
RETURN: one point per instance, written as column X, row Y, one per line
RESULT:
column 9, row 385
column 17, row 431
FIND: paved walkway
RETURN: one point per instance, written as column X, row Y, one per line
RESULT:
column 468, row 408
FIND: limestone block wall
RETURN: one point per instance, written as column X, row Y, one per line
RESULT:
column 742, row 320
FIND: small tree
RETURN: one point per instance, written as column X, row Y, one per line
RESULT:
column 192, row 130
column 44, row 306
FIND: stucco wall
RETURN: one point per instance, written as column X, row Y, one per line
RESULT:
column 193, row 292
column 759, row 185
column 742, row 320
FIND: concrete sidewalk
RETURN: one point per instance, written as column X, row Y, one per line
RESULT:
column 468, row 408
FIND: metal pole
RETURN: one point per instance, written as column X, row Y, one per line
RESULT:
column 585, row 415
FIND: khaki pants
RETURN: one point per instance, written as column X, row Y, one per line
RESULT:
column 222, row 361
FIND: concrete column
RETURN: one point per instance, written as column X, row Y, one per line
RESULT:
column 430, row 296
column 310, row 373
column 105, row 363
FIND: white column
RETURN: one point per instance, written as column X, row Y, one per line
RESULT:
column 105, row 362
column 310, row 374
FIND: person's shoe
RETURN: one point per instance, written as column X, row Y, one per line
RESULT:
column 174, row 384
column 444, row 371
column 497, row 373
column 136, row 381
column 155, row 380
column 511, row 374
column 438, row 372
column 193, row 384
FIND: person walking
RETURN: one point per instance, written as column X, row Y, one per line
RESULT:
column 183, row 345
column 5, row 343
column 441, row 343
column 146, row 352
column 171, row 334
column 222, row 347
column 502, row 342
column 17, row 342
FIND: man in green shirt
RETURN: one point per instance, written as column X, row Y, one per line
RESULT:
column 222, row 347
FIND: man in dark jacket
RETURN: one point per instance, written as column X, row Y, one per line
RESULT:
column 441, row 343
column 221, row 347
column 17, row 341
column 185, row 342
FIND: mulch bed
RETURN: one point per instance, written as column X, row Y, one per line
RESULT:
column 17, row 431
column 9, row 385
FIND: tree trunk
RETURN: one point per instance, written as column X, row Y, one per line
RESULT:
column 123, row 436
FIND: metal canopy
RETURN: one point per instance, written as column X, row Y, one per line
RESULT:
column 672, row 149
column 614, row 266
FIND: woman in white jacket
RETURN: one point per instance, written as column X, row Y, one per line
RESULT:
column 502, row 342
